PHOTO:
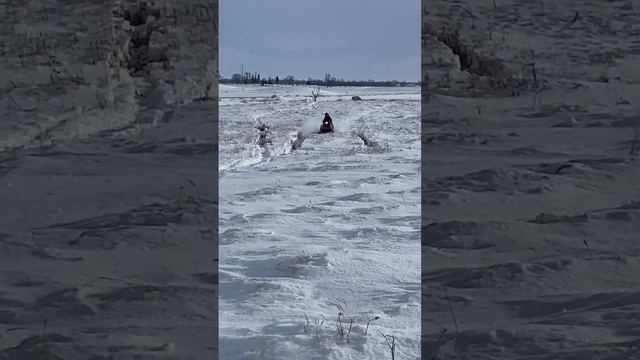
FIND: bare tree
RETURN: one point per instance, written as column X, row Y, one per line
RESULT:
column 315, row 93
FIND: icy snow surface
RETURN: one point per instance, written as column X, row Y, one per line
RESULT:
column 331, row 226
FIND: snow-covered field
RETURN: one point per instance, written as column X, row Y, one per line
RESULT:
column 332, row 226
column 531, row 195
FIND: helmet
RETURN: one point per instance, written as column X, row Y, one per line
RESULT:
column 326, row 114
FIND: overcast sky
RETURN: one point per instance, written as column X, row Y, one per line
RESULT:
column 350, row 39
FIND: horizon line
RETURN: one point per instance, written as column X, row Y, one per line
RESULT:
column 319, row 78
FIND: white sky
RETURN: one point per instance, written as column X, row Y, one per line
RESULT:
column 350, row 39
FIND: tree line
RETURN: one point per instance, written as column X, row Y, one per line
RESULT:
column 328, row 81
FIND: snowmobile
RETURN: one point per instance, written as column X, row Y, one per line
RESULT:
column 326, row 127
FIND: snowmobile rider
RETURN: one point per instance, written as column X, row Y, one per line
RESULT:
column 327, row 118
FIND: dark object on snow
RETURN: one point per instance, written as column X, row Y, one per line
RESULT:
column 356, row 98
column 326, row 127
column 262, row 134
column 327, row 124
